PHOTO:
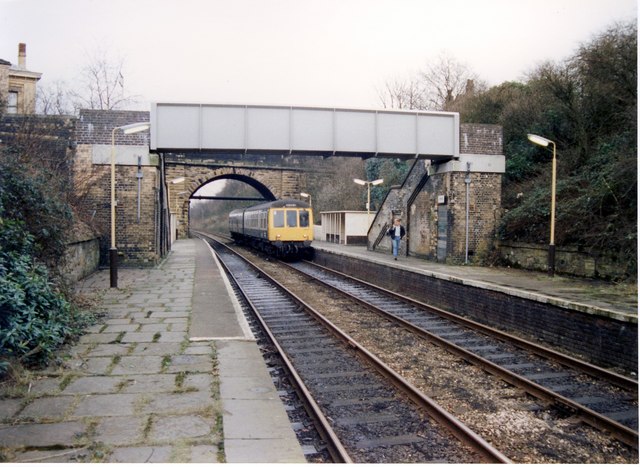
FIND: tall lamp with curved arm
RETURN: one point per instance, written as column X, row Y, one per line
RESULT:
column 113, row 252
column 544, row 142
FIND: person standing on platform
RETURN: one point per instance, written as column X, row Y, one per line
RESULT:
column 396, row 232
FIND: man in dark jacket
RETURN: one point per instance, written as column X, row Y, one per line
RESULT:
column 396, row 232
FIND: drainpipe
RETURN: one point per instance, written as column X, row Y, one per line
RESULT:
column 139, row 177
column 165, row 241
column 467, row 181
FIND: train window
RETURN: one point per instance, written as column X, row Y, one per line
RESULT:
column 304, row 218
column 292, row 218
column 278, row 218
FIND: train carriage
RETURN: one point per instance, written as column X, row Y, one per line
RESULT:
column 282, row 228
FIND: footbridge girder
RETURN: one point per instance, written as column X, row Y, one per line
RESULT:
column 253, row 129
column 230, row 198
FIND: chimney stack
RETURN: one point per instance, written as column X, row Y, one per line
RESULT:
column 22, row 56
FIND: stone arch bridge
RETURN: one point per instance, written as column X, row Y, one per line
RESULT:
column 185, row 178
column 190, row 145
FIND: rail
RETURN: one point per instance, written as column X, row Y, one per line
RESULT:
column 458, row 429
column 622, row 432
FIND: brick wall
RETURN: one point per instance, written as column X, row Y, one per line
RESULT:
column 476, row 138
column 422, row 216
column 137, row 240
column 484, row 207
column 602, row 340
column 96, row 127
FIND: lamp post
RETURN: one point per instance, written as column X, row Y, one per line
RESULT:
column 173, row 220
column 173, row 182
column 307, row 195
column 544, row 142
column 113, row 252
column 368, row 183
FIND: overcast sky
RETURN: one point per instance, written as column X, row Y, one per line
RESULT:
column 328, row 53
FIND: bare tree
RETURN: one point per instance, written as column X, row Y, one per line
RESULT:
column 54, row 99
column 403, row 94
column 446, row 80
column 441, row 85
column 102, row 84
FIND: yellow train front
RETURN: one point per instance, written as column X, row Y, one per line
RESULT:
column 282, row 228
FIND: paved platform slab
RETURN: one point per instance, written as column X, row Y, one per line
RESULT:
column 248, row 395
column 215, row 314
column 171, row 357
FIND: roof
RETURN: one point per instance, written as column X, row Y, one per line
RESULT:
column 4, row 62
column 279, row 203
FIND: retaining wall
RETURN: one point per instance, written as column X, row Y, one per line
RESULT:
column 82, row 259
column 602, row 340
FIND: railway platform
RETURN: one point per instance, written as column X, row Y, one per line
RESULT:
column 589, row 296
column 172, row 372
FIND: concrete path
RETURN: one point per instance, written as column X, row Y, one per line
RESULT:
column 170, row 374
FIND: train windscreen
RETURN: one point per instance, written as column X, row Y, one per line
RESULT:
column 278, row 218
column 304, row 218
column 292, row 218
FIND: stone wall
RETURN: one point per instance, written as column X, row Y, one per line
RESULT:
column 82, row 254
column 4, row 82
column 137, row 236
column 435, row 195
column 569, row 260
column 48, row 137
column 82, row 258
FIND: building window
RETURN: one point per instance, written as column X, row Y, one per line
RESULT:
column 12, row 102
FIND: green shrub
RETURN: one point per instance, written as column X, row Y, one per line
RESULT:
column 26, row 196
column 35, row 318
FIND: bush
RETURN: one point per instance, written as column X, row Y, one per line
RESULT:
column 35, row 316
column 28, row 198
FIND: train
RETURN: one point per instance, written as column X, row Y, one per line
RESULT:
column 281, row 228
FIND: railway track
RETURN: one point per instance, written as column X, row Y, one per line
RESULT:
column 364, row 409
column 601, row 398
column 526, row 428
column 604, row 399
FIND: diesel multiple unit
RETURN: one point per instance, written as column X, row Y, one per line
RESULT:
column 282, row 228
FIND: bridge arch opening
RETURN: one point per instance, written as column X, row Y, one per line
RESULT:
column 208, row 207
column 221, row 181
column 196, row 190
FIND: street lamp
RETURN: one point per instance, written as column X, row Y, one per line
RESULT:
column 544, row 142
column 173, row 182
column 113, row 252
column 173, row 216
column 368, row 183
column 307, row 195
